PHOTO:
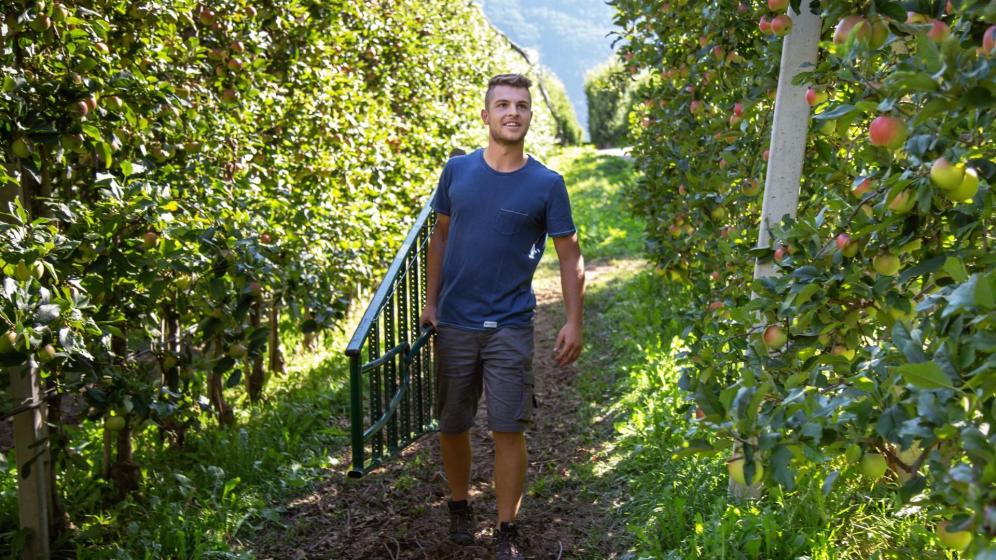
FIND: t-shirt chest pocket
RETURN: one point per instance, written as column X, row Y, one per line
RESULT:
column 508, row 221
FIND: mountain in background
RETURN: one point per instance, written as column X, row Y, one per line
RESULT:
column 571, row 37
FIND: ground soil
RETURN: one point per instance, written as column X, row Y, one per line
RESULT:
column 399, row 511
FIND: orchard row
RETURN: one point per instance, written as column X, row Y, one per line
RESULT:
column 872, row 349
column 186, row 185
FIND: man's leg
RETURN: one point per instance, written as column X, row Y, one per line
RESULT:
column 455, row 449
column 510, row 473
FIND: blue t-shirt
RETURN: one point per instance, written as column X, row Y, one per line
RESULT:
column 498, row 228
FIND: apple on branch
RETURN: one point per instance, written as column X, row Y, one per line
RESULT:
column 774, row 337
column 989, row 40
column 966, row 189
column 735, row 466
column 957, row 540
column 887, row 132
column 944, row 175
column 781, row 25
column 863, row 187
column 873, row 466
column 815, row 97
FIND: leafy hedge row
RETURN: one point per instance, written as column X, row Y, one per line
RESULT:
column 874, row 346
column 611, row 95
column 181, row 175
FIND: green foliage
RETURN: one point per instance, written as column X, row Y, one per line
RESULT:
column 678, row 507
column 896, row 364
column 180, row 175
column 609, row 92
column 569, row 131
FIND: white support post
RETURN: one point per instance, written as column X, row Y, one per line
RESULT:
column 787, row 152
column 788, row 133
column 34, row 496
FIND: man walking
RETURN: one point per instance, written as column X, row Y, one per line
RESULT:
column 495, row 208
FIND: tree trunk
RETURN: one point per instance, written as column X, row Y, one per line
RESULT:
column 225, row 415
column 255, row 380
column 171, row 347
column 276, row 355
column 125, row 472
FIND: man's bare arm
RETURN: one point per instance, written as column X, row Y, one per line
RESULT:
column 569, row 340
column 434, row 278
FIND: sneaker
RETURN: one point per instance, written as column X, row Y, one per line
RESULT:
column 508, row 543
column 462, row 523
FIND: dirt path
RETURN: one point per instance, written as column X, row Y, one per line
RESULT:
column 399, row 511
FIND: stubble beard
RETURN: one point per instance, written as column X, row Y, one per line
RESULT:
column 497, row 137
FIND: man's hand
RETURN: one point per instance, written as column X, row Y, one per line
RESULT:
column 568, row 346
column 428, row 317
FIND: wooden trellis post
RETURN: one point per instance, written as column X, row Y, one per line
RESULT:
column 787, row 147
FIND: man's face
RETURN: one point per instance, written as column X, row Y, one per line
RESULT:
column 508, row 114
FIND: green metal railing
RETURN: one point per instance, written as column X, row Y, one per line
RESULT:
column 392, row 392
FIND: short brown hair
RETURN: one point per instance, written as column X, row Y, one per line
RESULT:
column 514, row 80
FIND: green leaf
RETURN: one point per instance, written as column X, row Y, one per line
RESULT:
column 956, row 269
column 233, row 379
column 224, row 365
column 836, row 112
column 925, row 375
column 963, row 297
column 930, row 265
column 892, row 9
column 911, row 81
column 782, row 472
column 910, row 348
column 828, row 482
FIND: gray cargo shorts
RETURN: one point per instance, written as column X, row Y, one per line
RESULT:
column 498, row 363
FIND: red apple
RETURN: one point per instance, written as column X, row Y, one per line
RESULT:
column 780, row 253
column 778, row 5
column 781, row 25
column 939, row 31
column 751, row 187
column 842, row 240
column 815, row 97
column 989, row 40
column 864, row 186
column 206, row 16
column 715, row 305
column 856, row 24
column 764, row 24
column 774, row 337
column 902, row 203
column 887, row 132
column 765, row 155
column 695, row 106
column 738, row 109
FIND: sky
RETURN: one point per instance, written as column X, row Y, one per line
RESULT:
column 571, row 37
